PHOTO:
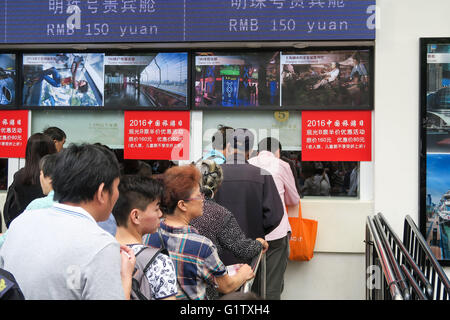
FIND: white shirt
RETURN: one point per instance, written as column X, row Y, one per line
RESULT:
column 60, row 253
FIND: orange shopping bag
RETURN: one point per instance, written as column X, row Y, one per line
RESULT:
column 303, row 237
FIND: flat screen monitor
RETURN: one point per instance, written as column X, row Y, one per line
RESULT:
column 146, row 81
column 327, row 79
column 63, row 80
column 8, row 80
column 241, row 80
column 434, row 148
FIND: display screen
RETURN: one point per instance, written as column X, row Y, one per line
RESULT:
column 63, row 79
column 438, row 98
column 237, row 79
column 435, row 146
column 339, row 79
column 105, row 80
column 156, row 80
column 8, row 79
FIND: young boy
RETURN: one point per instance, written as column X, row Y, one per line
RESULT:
column 46, row 165
column 137, row 213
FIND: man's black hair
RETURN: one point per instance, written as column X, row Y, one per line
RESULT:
column 81, row 169
column 269, row 144
column 242, row 140
column 221, row 137
column 55, row 133
column 135, row 192
column 47, row 164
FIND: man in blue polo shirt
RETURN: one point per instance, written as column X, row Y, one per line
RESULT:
column 219, row 145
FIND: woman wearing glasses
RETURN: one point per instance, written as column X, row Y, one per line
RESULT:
column 219, row 224
column 195, row 257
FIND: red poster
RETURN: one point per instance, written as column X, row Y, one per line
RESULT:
column 156, row 135
column 336, row 136
column 13, row 133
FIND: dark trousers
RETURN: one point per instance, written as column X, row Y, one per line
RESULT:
column 276, row 262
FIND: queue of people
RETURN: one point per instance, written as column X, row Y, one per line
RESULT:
column 182, row 231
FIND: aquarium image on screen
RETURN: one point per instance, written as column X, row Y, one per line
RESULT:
column 63, row 79
column 7, row 79
column 438, row 204
column 326, row 79
column 237, row 80
column 146, row 80
column 438, row 98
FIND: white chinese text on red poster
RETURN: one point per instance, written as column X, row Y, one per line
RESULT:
column 13, row 133
column 336, row 136
column 156, row 135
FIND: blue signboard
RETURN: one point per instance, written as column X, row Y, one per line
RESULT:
column 260, row 20
column 77, row 21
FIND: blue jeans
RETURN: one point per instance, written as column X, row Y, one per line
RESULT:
column 51, row 76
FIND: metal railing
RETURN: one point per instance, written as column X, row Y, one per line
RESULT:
column 425, row 259
column 386, row 288
column 411, row 272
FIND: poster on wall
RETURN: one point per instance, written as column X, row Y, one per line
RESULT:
column 336, row 136
column 13, row 133
column 63, row 80
column 338, row 79
column 438, row 204
column 156, row 135
column 435, row 146
column 8, row 80
column 151, row 80
column 237, row 80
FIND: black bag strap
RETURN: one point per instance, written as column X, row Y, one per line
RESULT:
column 135, row 288
column 146, row 256
column 163, row 245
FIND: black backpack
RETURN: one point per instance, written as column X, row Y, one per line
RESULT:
column 140, row 287
column 9, row 289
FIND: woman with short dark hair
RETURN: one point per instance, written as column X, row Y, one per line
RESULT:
column 57, row 135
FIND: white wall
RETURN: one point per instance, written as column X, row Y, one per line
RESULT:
column 403, row 22
column 328, row 276
column 396, row 154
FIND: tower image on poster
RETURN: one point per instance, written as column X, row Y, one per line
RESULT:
column 237, row 79
column 63, row 79
column 146, row 80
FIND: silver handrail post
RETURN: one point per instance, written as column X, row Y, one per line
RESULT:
column 263, row 275
column 389, row 274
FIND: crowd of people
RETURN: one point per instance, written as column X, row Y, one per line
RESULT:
column 94, row 231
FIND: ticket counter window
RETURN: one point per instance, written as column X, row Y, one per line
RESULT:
column 313, row 179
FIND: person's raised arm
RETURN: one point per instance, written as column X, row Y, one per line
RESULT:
column 127, row 268
column 227, row 283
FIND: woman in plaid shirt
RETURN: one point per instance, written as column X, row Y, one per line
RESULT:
column 195, row 257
